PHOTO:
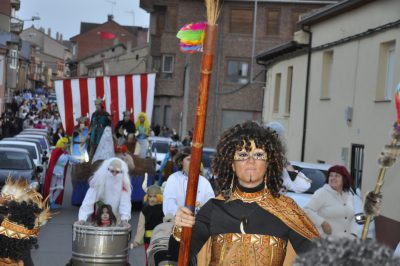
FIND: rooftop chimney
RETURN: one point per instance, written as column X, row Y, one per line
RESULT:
column 57, row 36
column 110, row 17
column 61, row 37
column 49, row 32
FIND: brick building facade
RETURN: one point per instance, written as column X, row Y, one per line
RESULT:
column 236, row 92
column 89, row 40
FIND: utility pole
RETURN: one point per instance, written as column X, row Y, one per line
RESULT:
column 186, row 86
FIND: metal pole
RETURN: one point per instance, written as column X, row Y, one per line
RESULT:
column 253, row 48
column 185, row 108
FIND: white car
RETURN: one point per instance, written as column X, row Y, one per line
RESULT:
column 317, row 173
column 34, row 150
column 159, row 147
column 44, row 142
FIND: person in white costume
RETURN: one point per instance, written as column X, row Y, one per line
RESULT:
column 294, row 181
column 109, row 185
column 175, row 189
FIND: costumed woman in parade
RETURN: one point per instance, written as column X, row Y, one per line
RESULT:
column 79, row 139
column 254, row 223
column 110, row 185
column 55, row 176
column 100, row 119
column 125, row 125
column 143, row 132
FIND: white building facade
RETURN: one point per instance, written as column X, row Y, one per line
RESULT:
column 354, row 68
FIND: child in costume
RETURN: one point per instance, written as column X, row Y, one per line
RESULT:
column 150, row 216
column 105, row 217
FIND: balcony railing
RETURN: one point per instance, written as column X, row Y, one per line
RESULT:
column 16, row 25
column 16, row 4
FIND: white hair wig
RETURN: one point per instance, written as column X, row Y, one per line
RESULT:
column 98, row 180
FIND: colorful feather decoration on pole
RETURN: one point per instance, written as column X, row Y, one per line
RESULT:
column 192, row 37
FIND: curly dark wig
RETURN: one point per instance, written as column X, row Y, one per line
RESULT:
column 24, row 214
column 233, row 139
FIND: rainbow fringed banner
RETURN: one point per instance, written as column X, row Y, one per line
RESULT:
column 192, row 37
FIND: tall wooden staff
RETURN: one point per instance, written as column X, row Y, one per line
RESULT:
column 212, row 7
column 386, row 159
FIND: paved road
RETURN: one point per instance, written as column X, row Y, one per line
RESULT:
column 55, row 239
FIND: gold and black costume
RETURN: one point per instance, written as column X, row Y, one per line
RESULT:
column 251, row 228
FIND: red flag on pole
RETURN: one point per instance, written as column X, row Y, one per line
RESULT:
column 107, row 35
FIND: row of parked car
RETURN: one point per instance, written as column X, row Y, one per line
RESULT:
column 25, row 155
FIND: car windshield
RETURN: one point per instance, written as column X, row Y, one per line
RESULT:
column 43, row 144
column 161, row 147
column 30, row 149
column 15, row 161
column 318, row 178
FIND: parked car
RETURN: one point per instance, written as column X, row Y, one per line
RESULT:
column 36, row 141
column 159, row 147
column 35, row 131
column 318, row 173
column 44, row 141
column 17, row 163
column 30, row 147
column 44, row 157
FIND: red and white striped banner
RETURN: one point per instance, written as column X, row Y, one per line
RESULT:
column 75, row 97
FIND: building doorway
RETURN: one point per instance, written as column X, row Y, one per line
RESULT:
column 357, row 162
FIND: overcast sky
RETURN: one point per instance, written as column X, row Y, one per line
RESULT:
column 65, row 16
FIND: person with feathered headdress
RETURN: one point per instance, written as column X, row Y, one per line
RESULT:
column 143, row 132
column 125, row 126
column 23, row 213
column 150, row 216
column 56, row 173
column 99, row 121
